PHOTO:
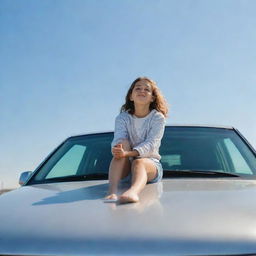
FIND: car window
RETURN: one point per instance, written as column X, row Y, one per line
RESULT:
column 191, row 152
column 237, row 161
column 182, row 148
column 200, row 148
column 80, row 155
column 68, row 164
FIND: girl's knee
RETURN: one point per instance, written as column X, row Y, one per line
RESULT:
column 137, row 163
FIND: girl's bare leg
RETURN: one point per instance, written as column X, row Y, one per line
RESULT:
column 143, row 170
column 118, row 169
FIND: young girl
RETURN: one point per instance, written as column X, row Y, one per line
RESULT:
column 139, row 129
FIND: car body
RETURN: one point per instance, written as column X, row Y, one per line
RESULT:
column 204, row 205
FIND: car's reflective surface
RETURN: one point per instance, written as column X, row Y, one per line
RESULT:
column 205, row 204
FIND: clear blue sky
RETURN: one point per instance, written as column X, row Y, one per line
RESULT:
column 65, row 67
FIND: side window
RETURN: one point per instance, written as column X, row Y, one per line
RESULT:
column 240, row 165
column 68, row 164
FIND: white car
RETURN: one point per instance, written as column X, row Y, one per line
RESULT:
column 205, row 204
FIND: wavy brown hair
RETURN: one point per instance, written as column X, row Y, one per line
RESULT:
column 158, row 104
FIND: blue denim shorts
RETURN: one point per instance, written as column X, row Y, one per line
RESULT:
column 156, row 179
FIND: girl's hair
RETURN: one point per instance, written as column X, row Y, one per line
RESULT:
column 158, row 104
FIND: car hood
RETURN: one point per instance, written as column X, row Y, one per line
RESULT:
column 175, row 216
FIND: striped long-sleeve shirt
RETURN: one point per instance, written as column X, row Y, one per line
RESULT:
column 144, row 134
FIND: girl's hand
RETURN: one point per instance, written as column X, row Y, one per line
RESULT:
column 118, row 151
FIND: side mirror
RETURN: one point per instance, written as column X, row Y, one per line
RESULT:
column 24, row 177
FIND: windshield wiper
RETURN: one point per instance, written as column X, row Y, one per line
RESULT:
column 92, row 176
column 195, row 172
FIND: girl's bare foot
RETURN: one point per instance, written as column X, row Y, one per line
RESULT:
column 111, row 198
column 128, row 197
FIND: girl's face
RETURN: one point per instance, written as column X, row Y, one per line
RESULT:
column 142, row 93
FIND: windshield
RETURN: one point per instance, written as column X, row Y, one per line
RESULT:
column 183, row 148
column 201, row 148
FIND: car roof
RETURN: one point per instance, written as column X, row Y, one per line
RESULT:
column 168, row 125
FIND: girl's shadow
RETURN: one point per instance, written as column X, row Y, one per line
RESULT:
column 86, row 193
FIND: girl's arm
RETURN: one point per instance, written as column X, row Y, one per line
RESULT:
column 121, row 132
